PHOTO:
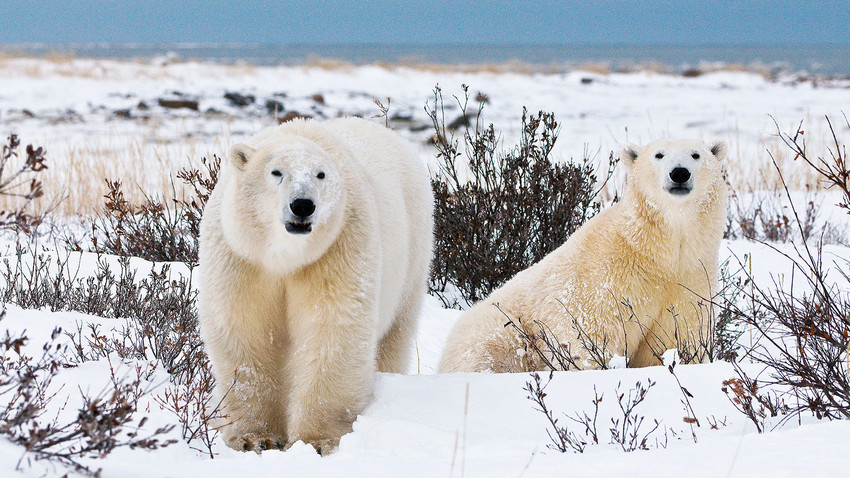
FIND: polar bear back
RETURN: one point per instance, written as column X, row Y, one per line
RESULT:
column 400, row 193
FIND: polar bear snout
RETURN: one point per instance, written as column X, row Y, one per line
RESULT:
column 680, row 181
column 302, row 207
column 680, row 175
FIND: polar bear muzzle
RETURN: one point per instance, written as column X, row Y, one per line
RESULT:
column 680, row 181
column 302, row 209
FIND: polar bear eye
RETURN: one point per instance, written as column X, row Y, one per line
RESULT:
column 695, row 155
column 321, row 175
column 659, row 155
column 277, row 173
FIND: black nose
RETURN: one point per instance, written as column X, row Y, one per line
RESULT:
column 680, row 175
column 302, row 207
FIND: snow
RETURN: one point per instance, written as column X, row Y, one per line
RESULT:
column 426, row 424
column 604, row 115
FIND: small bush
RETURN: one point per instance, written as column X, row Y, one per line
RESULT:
column 154, row 230
column 20, row 181
column 162, row 320
column 161, row 323
column 805, row 326
column 103, row 423
column 766, row 218
column 728, row 326
column 626, row 430
column 503, row 211
column 160, row 312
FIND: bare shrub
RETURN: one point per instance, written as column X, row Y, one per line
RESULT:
column 834, row 171
column 161, row 310
column 192, row 402
column 690, row 417
column 626, row 430
column 541, row 345
column 765, row 218
column 756, row 404
column 499, row 212
column 161, row 323
column 805, row 327
column 562, row 438
column 20, row 181
column 104, row 422
column 153, row 230
column 729, row 325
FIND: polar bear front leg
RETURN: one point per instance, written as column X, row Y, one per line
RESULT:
column 250, row 384
column 333, row 362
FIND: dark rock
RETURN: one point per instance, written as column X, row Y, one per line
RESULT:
column 123, row 113
column 177, row 103
column 586, row 81
column 27, row 113
column 406, row 121
column 291, row 115
column 691, row 73
column 462, row 120
column 142, row 106
column 318, row 98
column 402, row 118
column 238, row 99
column 274, row 107
column 419, row 127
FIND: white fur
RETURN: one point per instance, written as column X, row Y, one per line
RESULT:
column 618, row 277
column 296, row 325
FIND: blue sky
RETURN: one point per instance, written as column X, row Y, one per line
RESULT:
column 409, row 22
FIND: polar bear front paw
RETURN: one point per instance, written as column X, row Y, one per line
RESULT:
column 256, row 442
column 325, row 447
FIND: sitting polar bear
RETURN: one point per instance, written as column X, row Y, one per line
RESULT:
column 635, row 280
column 314, row 256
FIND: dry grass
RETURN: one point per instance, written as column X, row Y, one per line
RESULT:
column 328, row 64
column 515, row 66
column 149, row 157
column 751, row 170
column 75, row 183
column 600, row 68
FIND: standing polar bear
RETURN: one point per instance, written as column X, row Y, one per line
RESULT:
column 314, row 255
column 635, row 280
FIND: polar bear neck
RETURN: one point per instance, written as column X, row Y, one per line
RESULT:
column 673, row 236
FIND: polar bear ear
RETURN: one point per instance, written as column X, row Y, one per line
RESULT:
column 240, row 154
column 718, row 149
column 629, row 154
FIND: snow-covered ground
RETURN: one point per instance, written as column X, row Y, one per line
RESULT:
column 454, row 425
column 426, row 424
column 105, row 116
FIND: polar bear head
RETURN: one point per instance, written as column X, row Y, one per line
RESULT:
column 676, row 174
column 286, row 203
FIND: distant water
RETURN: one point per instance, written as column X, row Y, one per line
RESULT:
column 827, row 60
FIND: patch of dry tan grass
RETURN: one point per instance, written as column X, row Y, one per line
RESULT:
column 74, row 183
column 600, row 68
column 328, row 64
